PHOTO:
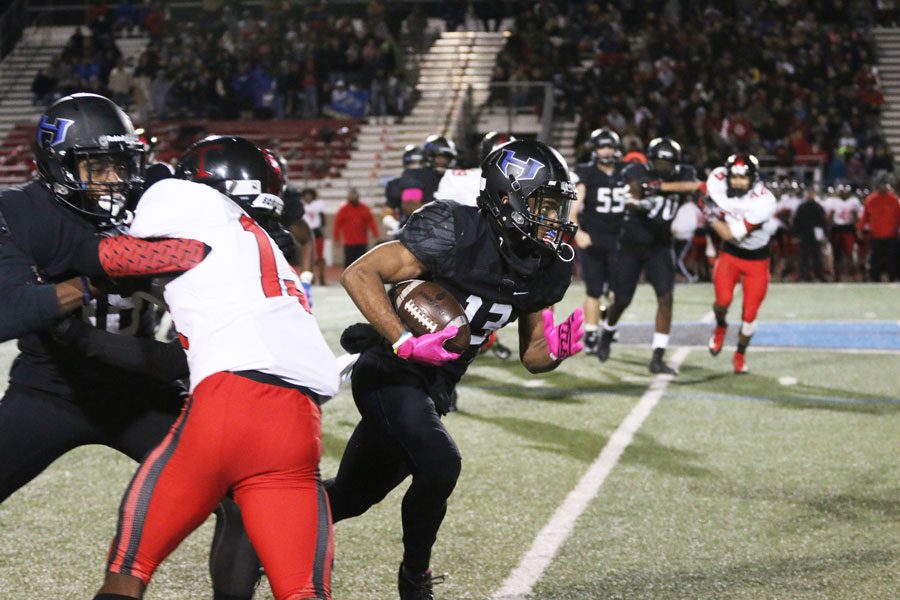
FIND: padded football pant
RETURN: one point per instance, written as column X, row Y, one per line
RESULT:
column 754, row 278
column 597, row 262
column 37, row 427
column 657, row 263
column 400, row 434
column 261, row 441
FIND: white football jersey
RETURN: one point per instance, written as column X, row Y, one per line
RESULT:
column 460, row 185
column 312, row 213
column 843, row 212
column 238, row 309
column 756, row 207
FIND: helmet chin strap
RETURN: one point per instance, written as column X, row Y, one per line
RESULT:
column 571, row 252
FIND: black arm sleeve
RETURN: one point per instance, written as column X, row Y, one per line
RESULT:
column 159, row 360
column 430, row 234
column 25, row 305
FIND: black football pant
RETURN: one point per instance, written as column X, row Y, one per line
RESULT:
column 597, row 262
column 37, row 427
column 656, row 262
column 400, row 434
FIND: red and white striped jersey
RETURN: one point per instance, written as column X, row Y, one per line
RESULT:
column 241, row 307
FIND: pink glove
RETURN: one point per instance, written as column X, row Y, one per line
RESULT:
column 428, row 348
column 564, row 340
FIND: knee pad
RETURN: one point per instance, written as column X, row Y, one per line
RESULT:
column 748, row 329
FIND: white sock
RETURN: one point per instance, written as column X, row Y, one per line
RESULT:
column 660, row 340
column 607, row 327
column 589, row 328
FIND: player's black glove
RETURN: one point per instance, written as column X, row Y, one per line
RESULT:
column 359, row 337
column 651, row 188
column 711, row 210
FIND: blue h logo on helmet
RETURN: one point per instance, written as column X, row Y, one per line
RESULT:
column 57, row 130
column 517, row 168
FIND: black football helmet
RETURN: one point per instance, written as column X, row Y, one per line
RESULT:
column 741, row 165
column 606, row 138
column 412, row 156
column 438, row 145
column 664, row 155
column 491, row 141
column 527, row 190
column 90, row 158
column 238, row 168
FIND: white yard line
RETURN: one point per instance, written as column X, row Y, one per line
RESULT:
column 551, row 538
column 708, row 318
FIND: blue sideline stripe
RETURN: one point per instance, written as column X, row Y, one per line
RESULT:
column 873, row 335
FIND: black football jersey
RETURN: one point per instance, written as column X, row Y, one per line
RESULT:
column 604, row 199
column 39, row 240
column 458, row 247
column 423, row 178
column 654, row 226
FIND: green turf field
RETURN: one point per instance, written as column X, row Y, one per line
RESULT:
column 784, row 483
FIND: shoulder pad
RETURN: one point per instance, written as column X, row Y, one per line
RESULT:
column 430, row 234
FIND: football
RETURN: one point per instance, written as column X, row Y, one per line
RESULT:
column 426, row 307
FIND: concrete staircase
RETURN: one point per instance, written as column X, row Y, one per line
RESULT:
column 35, row 51
column 888, row 42
column 455, row 61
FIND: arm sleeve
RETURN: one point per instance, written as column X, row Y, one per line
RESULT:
column 124, row 255
column 25, row 305
column 159, row 360
column 430, row 234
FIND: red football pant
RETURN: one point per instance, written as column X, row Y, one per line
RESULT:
column 754, row 278
column 263, row 442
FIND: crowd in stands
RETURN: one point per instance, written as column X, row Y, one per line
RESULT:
column 227, row 61
column 793, row 82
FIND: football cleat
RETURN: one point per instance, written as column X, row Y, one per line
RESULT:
column 591, row 339
column 657, row 366
column 717, row 340
column 500, row 351
column 603, row 346
column 417, row 586
column 740, row 364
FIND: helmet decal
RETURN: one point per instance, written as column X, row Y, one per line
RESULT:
column 57, row 129
column 516, row 168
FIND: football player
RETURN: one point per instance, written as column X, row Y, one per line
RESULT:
column 65, row 390
column 843, row 210
column 741, row 211
column 418, row 185
column 251, row 426
column 599, row 212
column 506, row 260
column 393, row 190
column 645, row 244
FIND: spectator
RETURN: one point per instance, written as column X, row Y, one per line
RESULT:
column 120, row 83
column 810, row 222
column 881, row 220
column 352, row 224
column 42, row 88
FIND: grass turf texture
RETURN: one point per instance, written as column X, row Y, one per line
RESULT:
column 734, row 487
